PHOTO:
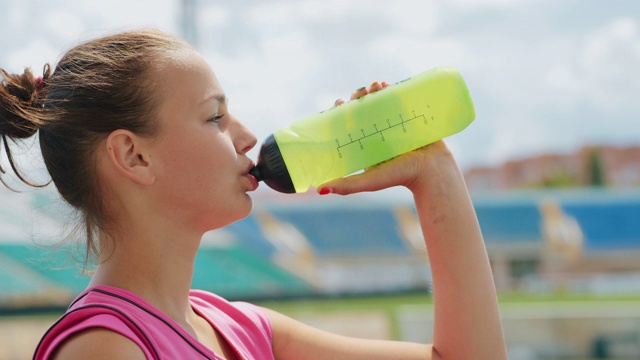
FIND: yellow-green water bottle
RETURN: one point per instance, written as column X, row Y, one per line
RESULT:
column 376, row 127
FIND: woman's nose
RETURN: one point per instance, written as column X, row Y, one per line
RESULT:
column 245, row 140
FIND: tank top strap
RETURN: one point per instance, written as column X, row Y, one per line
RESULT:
column 84, row 317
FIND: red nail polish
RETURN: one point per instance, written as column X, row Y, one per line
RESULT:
column 324, row 191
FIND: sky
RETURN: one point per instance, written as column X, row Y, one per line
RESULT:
column 545, row 76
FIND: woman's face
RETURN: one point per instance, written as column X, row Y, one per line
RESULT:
column 201, row 148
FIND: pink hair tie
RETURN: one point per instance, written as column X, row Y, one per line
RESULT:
column 39, row 83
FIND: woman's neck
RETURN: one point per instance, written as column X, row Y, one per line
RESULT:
column 154, row 262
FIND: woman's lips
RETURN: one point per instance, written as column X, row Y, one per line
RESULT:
column 253, row 181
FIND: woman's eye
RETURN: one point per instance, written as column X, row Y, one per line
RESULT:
column 216, row 118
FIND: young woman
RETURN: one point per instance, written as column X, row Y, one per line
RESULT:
column 136, row 134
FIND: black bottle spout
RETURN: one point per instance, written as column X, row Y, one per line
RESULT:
column 271, row 168
column 255, row 171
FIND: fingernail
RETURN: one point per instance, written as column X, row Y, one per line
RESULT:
column 373, row 84
column 384, row 83
column 362, row 88
column 324, row 191
column 337, row 100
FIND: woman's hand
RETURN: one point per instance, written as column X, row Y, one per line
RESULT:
column 414, row 170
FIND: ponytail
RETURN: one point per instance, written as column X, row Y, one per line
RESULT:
column 21, row 112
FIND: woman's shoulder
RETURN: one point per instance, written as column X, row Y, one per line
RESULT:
column 92, row 320
column 91, row 332
column 246, row 326
column 98, row 343
column 238, row 311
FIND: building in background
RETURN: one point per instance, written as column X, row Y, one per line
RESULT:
column 617, row 167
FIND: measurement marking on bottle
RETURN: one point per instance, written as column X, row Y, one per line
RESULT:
column 375, row 126
column 381, row 132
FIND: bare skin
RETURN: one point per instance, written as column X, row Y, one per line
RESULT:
column 155, row 247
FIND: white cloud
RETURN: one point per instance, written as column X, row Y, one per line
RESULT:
column 34, row 54
column 214, row 16
column 278, row 13
column 288, row 13
column 413, row 17
column 418, row 54
column 604, row 71
column 17, row 16
column 65, row 25
column 625, row 29
column 113, row 14
column 283, row 60
column 485, row 2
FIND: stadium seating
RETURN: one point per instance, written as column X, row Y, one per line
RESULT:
column 235, row 272
column 609, row 225
column 346, row 231
column 56, row 266
column 509, row 222
column 244, row 263
column 248, row 234
column 16, row 280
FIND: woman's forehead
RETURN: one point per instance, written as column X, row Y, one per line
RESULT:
column 189, row 79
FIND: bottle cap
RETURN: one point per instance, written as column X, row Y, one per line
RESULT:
column 271, row 168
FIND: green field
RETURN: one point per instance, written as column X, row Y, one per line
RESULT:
column 393, row 301
column 391, row 305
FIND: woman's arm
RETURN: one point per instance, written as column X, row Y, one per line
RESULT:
column 293, row 340
column 467, row 320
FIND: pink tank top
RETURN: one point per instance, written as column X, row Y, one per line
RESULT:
column 245, row 327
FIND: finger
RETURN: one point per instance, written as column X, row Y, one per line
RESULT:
column 359, row 93
column 352, row 184
column 338, row 102
column 376, row 177
column 375, row 86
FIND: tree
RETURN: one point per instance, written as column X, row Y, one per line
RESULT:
column 596, row 172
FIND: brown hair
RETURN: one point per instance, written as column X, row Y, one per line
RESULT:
column 97, row 87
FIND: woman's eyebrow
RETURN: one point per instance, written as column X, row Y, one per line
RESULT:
column 221, row 98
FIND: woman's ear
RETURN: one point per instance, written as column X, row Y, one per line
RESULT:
column 127, row 153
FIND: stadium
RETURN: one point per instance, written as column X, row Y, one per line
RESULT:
column 565, row 263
